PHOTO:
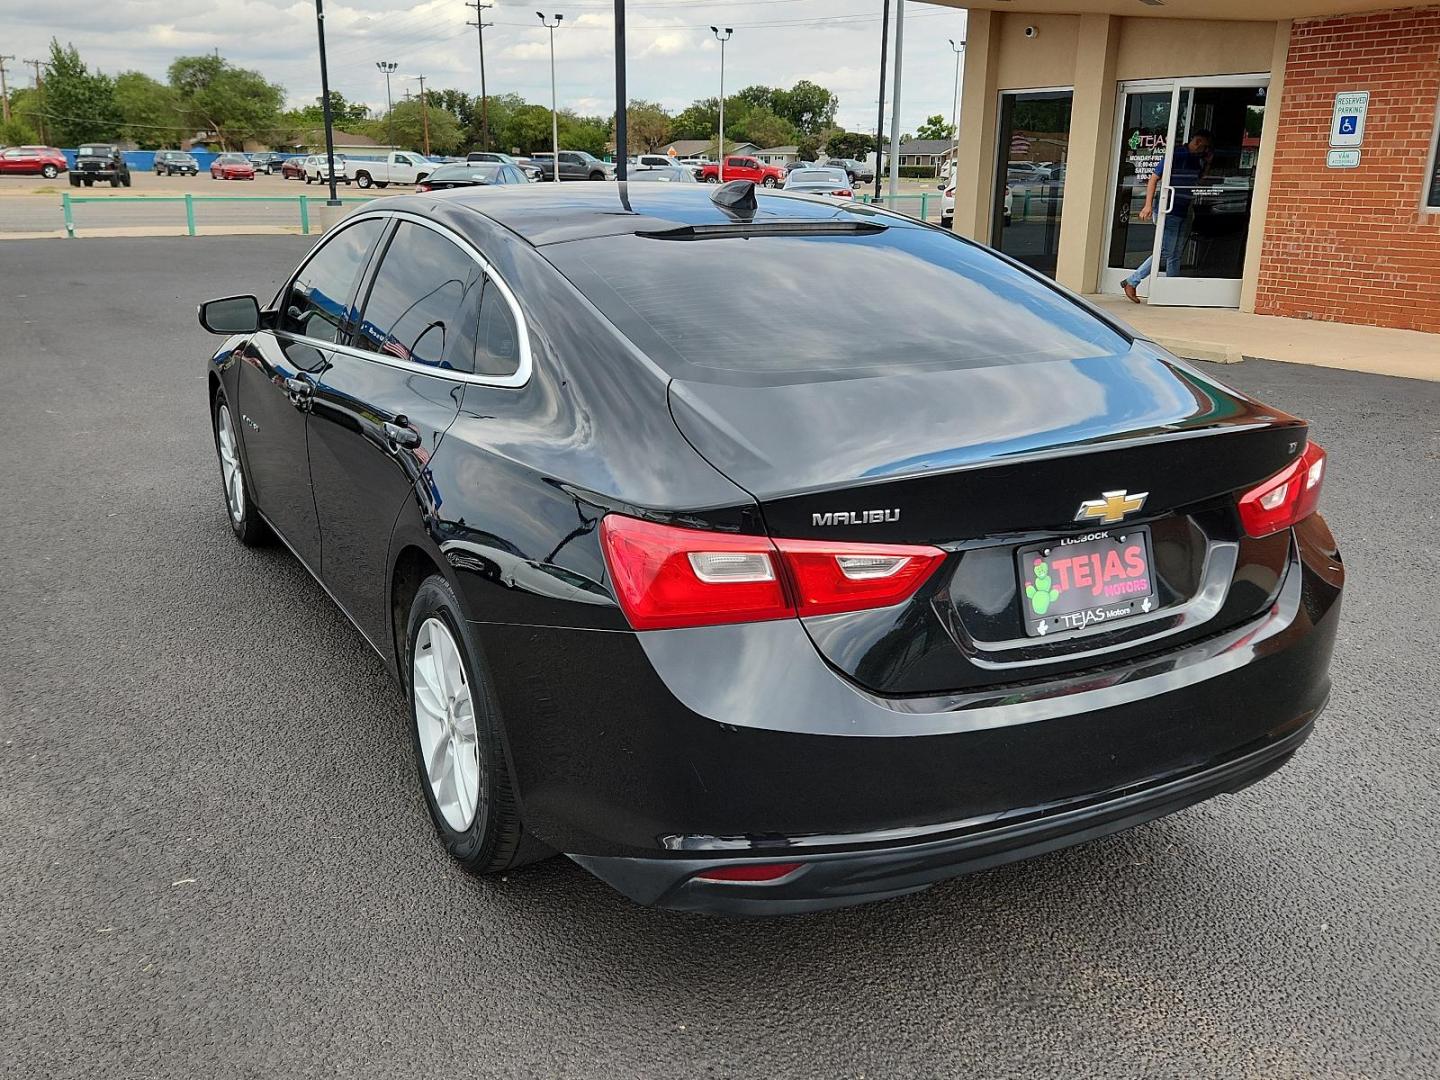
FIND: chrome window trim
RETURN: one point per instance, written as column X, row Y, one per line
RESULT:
column 515, row 380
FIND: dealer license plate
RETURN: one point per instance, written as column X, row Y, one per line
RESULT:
column 1069, row 584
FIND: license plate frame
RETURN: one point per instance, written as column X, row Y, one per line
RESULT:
column 1070, row 567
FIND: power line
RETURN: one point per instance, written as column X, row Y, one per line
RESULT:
column 480, row 25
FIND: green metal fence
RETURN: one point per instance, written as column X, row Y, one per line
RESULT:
column 907, row 203
column 302, row 202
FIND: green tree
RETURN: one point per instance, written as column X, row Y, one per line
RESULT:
column 758, row 97
column 935, row 127
column 588, row 133
column 849, row 144
column 235, row 103
column 647, row 127
column 808, row 147
column 697, row 120
column 343, row 114
column 524, row 127
column 762, row 127
column 150, row 112
column 806, row 105
column 16, row 132
column 79, row 105
column 446, row 134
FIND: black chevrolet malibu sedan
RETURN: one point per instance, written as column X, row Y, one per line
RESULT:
column 764, row 554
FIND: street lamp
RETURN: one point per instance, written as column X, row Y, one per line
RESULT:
column 720, row 142
column 388, row 67
column 955, row 109
column 554, row 121
column 325, row 110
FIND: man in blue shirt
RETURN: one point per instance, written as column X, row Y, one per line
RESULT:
column 1188, row 170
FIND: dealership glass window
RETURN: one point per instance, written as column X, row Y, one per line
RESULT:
column 1033, row 148
column 1432, row 200
column 1145, row 126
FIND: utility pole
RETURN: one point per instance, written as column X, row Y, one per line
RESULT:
column 334, row 199
column 388, row 67
column 40, row 92
column 424, row 113
column 895, row 102
column 720, row 142
column 880, row 121
column 955, row 109
column 4, row 91
column 480, row 24
column 554, row 121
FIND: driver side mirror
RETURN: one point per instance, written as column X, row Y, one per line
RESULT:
column 231, row 315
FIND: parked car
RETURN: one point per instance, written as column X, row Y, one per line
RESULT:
column 293, row 168
column 97, row 162
column 947, row 205
column 269, row 162
column 317, row 169
column 649, row 613
column 400, row 167
column 43, row 161
column 858, row 171
column 652, row 161
column 170, row 162
column 466, row 174
column 656, row 174
column 532, row 172
column 791, row 166
column 744, row 168
column 574, row 165
column 832, row 183
column 232, row 167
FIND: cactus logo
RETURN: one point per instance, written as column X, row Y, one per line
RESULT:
column 1041, row 591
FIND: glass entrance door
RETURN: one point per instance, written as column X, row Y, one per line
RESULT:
column 1185, row 180
column 1203, row 203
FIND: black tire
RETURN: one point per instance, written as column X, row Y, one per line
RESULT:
column 769, row 181
column 125, row 180
column 74, row 180
column 362, row 180
column 947, row 223
column 49, row 172
column 597, row 176
column 89, row 183
column 495, row 839
column 251, row 529
column 114, row 181
column 712, row 179
column 382, row 183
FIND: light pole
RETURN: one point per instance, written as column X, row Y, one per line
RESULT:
column 554, row 121
column 880, row 120
column 388, row 67
column 325, row 103
column 480, row 24
column 424, row 112
column 895, row 102
column 720, row 142
column 955, row 109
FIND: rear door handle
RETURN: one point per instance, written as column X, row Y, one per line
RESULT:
column 400, row 437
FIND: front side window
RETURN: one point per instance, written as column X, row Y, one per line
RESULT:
column 423, row 302
column 316, row 302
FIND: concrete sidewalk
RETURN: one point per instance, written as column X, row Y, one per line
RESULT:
column 1227, row 337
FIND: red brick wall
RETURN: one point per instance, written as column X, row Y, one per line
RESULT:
column 1353, row 245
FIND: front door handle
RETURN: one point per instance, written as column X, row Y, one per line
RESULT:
column 400, row 437
column 299, row 391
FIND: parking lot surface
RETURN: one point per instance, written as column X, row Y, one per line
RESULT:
column 215, row 858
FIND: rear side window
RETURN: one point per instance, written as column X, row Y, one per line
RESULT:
column 423, row 302
column 768, row 310
column 497, row 342
column 315, row 304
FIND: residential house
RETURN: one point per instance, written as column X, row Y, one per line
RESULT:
column 778, row 155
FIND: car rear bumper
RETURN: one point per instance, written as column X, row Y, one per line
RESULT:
column 863, row 874
column 648, row 756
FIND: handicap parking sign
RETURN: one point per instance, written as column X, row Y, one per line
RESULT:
column 1347, row 122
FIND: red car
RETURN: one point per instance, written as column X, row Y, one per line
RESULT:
column 43, row 161
column 293, row 168
column 745, row 168
column 232, row 167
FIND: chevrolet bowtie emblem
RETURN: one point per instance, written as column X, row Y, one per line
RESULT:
column 1112, row 507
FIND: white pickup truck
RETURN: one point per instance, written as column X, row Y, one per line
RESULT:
column 401, row 167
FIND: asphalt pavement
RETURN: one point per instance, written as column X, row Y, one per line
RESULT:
column 215, row 860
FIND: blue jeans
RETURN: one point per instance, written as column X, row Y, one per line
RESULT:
column 1170, row 245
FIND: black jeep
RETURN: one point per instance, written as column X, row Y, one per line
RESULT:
column 99, row 161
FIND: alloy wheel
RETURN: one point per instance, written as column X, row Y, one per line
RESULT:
column 230, row 471
column 445, row 721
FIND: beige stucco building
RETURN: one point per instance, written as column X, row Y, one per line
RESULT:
column 1292, row 144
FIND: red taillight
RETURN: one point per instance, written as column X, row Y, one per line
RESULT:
column 1288, row 497
column 422, row 187
column 750, row 872
column 667, row 577
column 844, row 193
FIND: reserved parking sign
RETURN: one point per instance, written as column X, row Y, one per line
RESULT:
column 1347, row 122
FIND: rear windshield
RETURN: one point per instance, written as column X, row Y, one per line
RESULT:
column 765, row 310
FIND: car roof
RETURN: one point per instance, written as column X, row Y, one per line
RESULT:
column 543, row 214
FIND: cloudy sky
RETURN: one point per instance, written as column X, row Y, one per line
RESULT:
column 673, row 56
